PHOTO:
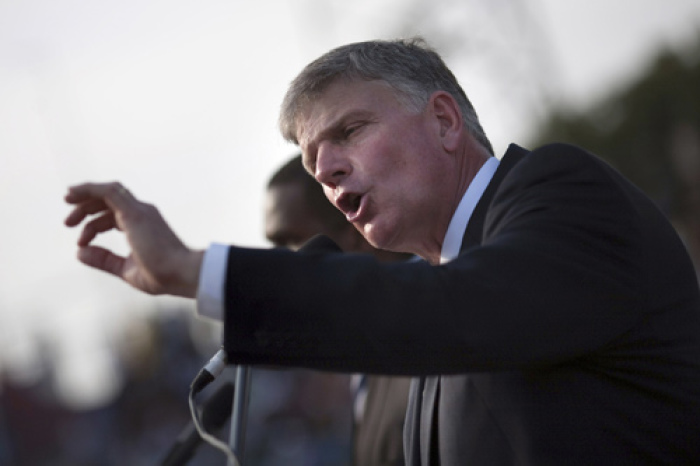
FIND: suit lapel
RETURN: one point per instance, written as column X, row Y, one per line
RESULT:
column 475, row 228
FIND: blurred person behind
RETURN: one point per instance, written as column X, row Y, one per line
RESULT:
column 296, row 210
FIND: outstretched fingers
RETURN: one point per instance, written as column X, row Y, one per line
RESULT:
column 95, row 195
column 104, row 222
column 83, row 209
column 105, row 199
column 94, row 198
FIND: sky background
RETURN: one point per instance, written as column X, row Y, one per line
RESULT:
column 179, row 101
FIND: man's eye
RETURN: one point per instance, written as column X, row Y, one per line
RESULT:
column 350, row 130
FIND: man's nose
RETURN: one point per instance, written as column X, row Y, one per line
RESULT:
column 331, row 166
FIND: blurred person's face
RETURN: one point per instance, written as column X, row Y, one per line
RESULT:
column 380, row 163
column 288, row 221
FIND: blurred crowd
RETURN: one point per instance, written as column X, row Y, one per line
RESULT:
column 295, row 417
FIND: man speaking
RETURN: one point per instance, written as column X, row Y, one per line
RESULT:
column 555, row 319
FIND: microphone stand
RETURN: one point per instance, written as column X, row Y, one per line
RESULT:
column 239, row 413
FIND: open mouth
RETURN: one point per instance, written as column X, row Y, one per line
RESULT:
column 349, row 204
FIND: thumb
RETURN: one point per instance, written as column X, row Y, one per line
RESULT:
column 102, row 259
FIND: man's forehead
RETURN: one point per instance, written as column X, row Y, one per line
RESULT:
column 342, row 99
column 322, row 110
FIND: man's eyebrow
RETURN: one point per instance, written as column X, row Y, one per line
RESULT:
column 344, row 119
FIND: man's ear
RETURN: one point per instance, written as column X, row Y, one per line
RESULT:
column 449, row 119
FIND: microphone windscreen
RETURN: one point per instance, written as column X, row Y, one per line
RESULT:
column 320, row 243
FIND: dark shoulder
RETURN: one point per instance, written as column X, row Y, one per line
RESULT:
column 560, row 153
column 564, row 162
column 563, row 177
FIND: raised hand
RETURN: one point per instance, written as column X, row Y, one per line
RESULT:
column 159, row 263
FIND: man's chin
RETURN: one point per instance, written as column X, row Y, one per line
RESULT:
column 378, row 238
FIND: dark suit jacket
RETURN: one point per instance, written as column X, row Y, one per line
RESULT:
column 566, row 332
column 378, row 437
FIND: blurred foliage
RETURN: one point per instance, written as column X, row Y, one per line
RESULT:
column 649, row 130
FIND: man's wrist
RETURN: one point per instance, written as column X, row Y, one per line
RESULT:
column 189, row 270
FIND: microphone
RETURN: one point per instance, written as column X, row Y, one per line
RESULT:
column 214, row 414
column 318, row 244
column 209, row 372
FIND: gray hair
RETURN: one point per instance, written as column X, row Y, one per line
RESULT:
column 410, row 67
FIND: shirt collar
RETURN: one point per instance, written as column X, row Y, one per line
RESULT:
column 458, row 224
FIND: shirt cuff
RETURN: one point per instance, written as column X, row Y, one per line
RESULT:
column 212, row 276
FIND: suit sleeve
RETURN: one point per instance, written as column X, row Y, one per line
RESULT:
column 557, row 276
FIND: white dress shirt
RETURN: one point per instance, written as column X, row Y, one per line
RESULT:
column 458, row 225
